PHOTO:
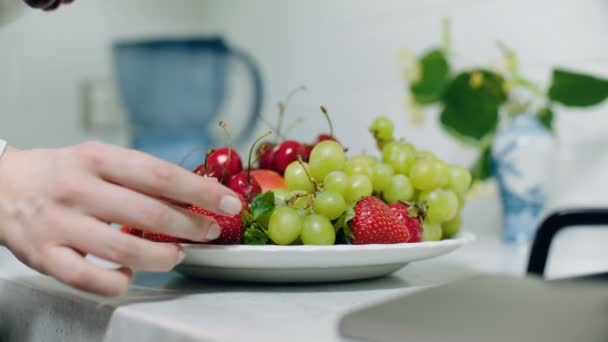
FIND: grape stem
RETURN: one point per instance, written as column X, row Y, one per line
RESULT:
column 315, row 186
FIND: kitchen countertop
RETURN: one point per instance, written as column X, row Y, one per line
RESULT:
column 168, row 307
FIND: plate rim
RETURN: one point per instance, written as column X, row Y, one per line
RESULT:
column 460, row 239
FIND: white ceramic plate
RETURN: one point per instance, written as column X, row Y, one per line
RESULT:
column 308, row 264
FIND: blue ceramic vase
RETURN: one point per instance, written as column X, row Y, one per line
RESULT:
column 521, row 156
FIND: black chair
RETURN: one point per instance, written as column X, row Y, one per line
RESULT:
column 555, row 223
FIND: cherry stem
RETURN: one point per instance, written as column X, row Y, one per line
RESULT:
column 251, row 153
column 331, row 127
column 283, row 107
column 209, row 152
column 229, row 141
column 312, row 180
column 294, row 124
column 189, row 154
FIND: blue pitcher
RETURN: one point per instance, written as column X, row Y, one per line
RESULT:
column 173, row 89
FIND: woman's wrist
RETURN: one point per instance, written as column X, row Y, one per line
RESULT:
column 5, row 154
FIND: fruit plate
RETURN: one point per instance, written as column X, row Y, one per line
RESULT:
column 309, row 264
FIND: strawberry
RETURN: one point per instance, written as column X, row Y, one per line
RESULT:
column 160, row 237
column 232, row 226
column 374, row 222
column 411, row 218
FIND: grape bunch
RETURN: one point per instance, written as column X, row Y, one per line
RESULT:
column 297, row 193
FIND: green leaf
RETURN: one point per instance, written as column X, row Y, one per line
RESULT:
column 342, row 225
column 482, row 168
column 262, row 205
column 246, row 218
column 577, row 90
column 471, row 103
column 545, row 116
column 255, row 235
column 434, row 72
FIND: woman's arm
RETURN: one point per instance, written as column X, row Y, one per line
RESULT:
column 55, row 205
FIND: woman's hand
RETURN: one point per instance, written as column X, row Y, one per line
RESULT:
column 55, row 206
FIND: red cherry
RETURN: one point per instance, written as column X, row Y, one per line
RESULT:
column 307, row 150
column 248, row 188
column 287, row 152
column 324, row 136
column 223, row 163
column 265, row 154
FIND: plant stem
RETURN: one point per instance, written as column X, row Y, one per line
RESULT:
column 445, row 36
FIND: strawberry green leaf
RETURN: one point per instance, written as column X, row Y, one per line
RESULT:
column 246, row 218
column 577, row 90
column 342, row 225
column 255, row 235
column 262, row 205
column 434, row 72
column 470, row 105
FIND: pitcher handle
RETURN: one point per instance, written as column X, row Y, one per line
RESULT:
column 258, row 94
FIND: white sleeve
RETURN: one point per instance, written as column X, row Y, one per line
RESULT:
column 2, row 147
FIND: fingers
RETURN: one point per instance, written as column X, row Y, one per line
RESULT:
column 69, row 267
column 144, row 173
column 93, row 237
column 114, row 203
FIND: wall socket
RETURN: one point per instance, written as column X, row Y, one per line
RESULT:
column 101, row 111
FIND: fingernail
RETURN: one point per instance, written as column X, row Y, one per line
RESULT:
column 180, row 256
column 230, row 205
column 213, row 232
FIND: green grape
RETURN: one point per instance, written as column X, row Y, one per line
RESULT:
column 451, row 227
column 360, row 186
column 445, row 176
column 399, row 156
column 301, row 201
column 296, row 177
column 337, row 181
column 381, row 178
column 461, row 201
column 427, row 174
column 400, row 189
column 382, row 128
column 372, row 160
column 329, row 204
column 424, row 154
column 431, row 231
column 358, row 165
column 280, row 196
column 442, row 205
column 317, row 230
column 285, row 225
column 459, row 178
column 325, row 157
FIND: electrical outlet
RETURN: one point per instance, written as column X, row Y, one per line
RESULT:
column 101, row 109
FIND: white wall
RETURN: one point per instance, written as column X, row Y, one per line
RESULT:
column 344, row 51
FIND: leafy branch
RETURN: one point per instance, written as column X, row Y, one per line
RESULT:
column 475, row 100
